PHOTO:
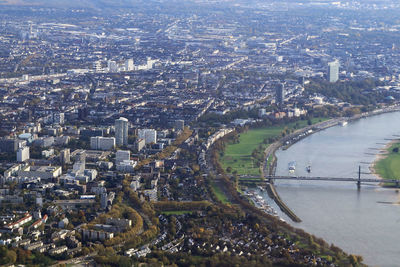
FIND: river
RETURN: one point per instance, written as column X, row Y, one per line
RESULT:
column 356, row 221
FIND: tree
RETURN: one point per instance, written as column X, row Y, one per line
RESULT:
column 7, row 256
column 41, row 259
column 12, row 256
column 353, row 259
column 23, row 255
column 124, row 261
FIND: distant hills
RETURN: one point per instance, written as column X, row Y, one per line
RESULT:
column 132, row 3
column 71, row 3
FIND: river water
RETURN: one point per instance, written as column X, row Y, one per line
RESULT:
column 356, row 221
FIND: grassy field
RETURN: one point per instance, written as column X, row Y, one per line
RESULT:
column 389, row 167
column 238, row 156
column 219, row 193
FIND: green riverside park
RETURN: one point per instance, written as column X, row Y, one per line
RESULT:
column 388, row 167
column 238, row 156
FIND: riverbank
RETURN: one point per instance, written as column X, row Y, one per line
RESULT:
column 234, row 159
column 387, row 166
column 274, row 195
column 286, row 142
column 337, row 152
column 240, row 156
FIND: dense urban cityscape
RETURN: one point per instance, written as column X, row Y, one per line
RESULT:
column 117, row 120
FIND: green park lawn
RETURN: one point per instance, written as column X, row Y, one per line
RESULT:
column 389, row 167
column 238, row 156
column 219, row 193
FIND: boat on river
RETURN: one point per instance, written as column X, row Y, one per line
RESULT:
column 292, row 165
column 308, row 168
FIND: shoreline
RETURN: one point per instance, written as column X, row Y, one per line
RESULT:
column 379, row 157
column 280, row 143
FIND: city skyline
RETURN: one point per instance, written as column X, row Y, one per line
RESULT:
column 199, row 133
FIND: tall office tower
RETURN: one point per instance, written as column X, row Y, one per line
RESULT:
column 129, row 65
column 150, row 63
column 97, row 66
column 80, row 162
column 23, row 154
column 333, row 71
column 280, row 94
column 112, row 66
column 65, row 156
column 121, row 131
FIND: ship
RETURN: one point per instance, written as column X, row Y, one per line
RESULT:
column 343, row 123
column 308, row 168
column 292, row 165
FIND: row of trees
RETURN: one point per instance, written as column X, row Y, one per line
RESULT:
column 174, row 205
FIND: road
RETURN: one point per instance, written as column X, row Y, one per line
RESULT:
column 87, row 258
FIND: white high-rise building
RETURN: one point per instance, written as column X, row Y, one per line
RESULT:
column 149, row 135
column 65, row 156
column 121, row 131
column 121, row 156
column 102, row 143
column 112, row 66
column 129, row 65
column 97, row 66
column 333, row 71
column 80, row 163
column 150, row 63
column 58, row 118
column 23, row 154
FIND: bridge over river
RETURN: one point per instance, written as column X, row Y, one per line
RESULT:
column 253, row 179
